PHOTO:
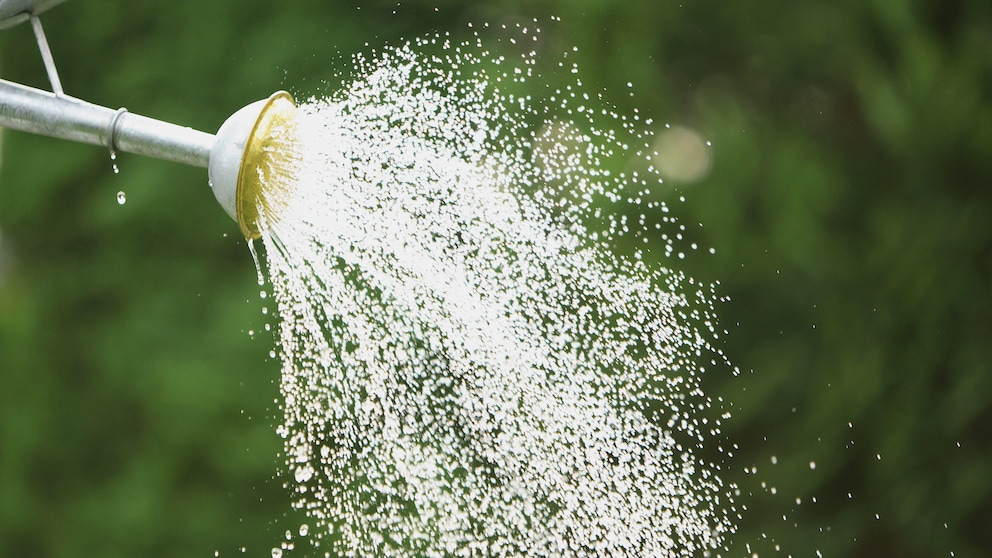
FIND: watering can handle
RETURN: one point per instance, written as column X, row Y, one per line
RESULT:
column 13, row 12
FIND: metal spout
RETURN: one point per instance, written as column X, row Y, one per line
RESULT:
column 233, row 157
column 241, row 158
column 40, row 112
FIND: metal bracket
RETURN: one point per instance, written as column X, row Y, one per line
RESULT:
column 46, row 55
column 13, row 12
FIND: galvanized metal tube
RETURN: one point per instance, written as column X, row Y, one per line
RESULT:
column 146, row 136
column 41, row 112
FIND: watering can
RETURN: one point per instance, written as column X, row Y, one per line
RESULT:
column 233, row 156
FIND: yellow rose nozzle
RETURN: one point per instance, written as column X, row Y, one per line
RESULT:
column 244, row 160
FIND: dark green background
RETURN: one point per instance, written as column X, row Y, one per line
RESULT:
column 850, row 205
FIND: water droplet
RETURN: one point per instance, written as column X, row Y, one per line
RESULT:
column 812, row 465
column 276, row 552
column 122, row 198
column 258, row 265
column 303, row 474
column 304, row 529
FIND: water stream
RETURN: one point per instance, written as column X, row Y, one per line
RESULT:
column 468, row 368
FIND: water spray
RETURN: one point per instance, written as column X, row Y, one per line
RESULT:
column 466, row 368
column 233, row 156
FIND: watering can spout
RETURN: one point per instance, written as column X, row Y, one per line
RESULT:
column 50, row 114
column 238, row 159
column 233, row 157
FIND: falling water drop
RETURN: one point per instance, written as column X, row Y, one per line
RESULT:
column 121, row 198
column 304, row 473
column 258, row 265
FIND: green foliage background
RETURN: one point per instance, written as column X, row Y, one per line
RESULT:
column 849, row 205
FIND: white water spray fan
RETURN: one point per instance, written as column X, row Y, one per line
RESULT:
column 234, row 157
